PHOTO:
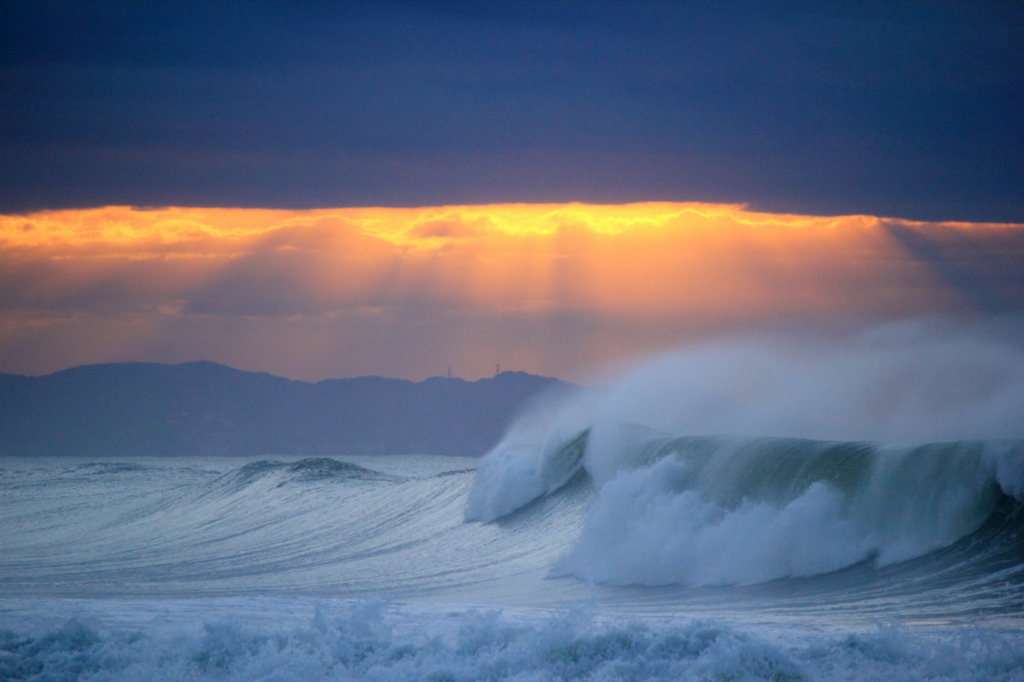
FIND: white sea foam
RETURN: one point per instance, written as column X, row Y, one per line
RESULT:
column 370, row 641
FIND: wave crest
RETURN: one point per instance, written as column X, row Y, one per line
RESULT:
column 309, row 470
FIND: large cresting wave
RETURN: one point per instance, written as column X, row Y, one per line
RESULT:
column 745, row 461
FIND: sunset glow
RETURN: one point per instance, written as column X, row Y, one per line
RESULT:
column 349, row 291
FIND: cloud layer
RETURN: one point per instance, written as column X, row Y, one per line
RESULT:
column 407, row 292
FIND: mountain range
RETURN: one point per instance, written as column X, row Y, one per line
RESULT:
column 208, row 409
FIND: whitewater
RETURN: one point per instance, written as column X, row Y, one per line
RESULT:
column 784, row 508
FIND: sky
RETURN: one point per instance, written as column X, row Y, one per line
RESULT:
column 321, row 189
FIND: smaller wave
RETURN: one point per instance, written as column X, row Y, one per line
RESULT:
column 90, row 472
column 455, row 472
column 309, row 470
column 109, row 468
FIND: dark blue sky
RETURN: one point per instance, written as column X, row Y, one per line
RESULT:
column 912, row 110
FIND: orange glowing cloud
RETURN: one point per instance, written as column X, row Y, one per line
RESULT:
column 547, row 288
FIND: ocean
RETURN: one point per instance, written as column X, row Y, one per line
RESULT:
column 739, row 511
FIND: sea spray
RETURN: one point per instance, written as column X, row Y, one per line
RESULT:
column 744, row 461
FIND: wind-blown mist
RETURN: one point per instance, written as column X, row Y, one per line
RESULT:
column 749, row 460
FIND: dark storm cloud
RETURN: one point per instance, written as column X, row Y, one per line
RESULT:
column 904, row 109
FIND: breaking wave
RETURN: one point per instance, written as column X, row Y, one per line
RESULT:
column 745, row 462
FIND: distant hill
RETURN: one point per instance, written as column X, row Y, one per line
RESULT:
column 202, row 408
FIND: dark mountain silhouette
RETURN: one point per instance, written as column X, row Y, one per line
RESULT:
column 202, row 408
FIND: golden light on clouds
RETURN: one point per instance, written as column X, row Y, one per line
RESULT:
column 405, row 292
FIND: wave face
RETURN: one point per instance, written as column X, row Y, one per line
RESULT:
column 181, row 528
column 746, row 462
